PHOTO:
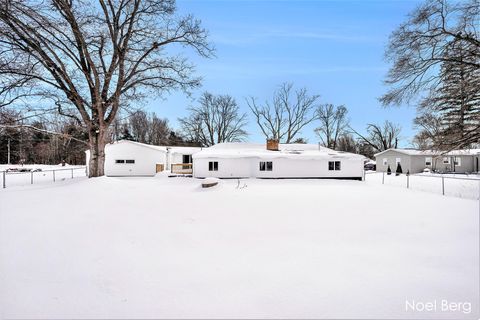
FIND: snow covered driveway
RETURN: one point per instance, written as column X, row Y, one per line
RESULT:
column 166, row 248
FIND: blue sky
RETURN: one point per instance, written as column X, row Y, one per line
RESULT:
column 333, row 48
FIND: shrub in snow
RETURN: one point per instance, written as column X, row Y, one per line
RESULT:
column 426, row 170
column 389, row 171
column 399, row 169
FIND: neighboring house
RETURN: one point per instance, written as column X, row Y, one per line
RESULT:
column 244, row 160
column 130, row 158
column 415, row 161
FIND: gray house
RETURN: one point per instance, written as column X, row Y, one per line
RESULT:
column 415, row 161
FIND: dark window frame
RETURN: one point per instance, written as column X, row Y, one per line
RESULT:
column 334, row 165
column 266, row 166
column 213, row 166
column 187, row 157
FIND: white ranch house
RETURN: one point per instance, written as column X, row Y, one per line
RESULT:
column 416, row 161
column 232, row 160
column 250, row 160
column 129, row 158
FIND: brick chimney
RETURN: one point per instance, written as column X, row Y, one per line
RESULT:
column 272, row 144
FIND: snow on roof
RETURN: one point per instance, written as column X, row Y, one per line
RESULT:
column 415, row 152
column 184, row 150
column 158, row 148
column 251, row 150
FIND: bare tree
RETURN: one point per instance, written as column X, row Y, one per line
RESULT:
column 423, row 42
column 216, row 119
column 429, row 127
column 333, row 124
column 158, row 131
column 381, row 137
column 98, row 55
column 346, row 143
column 284, row 117
column 139, row 124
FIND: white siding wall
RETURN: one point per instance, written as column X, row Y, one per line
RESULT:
column 227, row 168
column 282, row 168
column 145, row 160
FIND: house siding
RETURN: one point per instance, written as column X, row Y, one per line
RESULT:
column 282, row 168
column 145, row 160
column 391, row 156
column 416, row 163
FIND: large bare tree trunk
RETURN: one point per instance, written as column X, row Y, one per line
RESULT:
column 89, row 57
column 97, row 152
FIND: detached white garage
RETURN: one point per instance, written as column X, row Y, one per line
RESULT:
column 129, row 158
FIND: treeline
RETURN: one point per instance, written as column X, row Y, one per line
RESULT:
column 40, row 141
column 52, row 140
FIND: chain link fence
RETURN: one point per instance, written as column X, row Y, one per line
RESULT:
column 461, row 186
column 35, row 176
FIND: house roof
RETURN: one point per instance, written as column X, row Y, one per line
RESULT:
column 415, row 152
column 158, row 148
column 258, row 150
column 184, row 150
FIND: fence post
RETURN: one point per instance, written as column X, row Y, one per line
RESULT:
column 443, row 185
column 408, row 181
column 53, row 175
column 383, row 177
column 31, row 177
column 72, row 173
column 4, row 177
column 86, row 171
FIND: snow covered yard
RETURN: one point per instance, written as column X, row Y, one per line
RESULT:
column 166, row 248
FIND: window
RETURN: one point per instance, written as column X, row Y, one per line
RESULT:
column 428, row 161
column 385, row 161
column 334, row 165
column 187, row 158
column 269, row 166
column 122, row 161
column 458, row 161
column 213, row 166
column 446, row 160
column 266, row 166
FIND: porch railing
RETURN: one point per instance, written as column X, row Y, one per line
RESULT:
column 181, row 168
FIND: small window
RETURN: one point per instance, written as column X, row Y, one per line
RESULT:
column 269, row 166
column 119, row 161
column 446, row 160
column 262, row 166
column 428, row 161
column 334, row 165
column 458, row 161
column 129, row 161
column 337, row 165
column 385, row 161
column 213, row 166
column 187, row 158
column 266, row 166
